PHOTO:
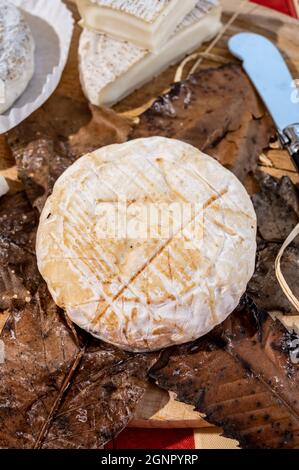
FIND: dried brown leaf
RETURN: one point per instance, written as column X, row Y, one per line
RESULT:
column 264, row 287
column 277, row 208
column 217, row 111
column 19, row 277
column 56, row 389
column 241, row 377
column 53, row 137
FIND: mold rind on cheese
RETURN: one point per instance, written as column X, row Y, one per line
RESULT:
column 149, row 293
column 147, row 24
column 16, row 54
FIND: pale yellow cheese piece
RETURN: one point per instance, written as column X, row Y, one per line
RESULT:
column 145, row 23
column 136, row 279
column 145, row 10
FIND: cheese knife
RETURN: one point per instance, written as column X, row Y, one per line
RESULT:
column 270, row 75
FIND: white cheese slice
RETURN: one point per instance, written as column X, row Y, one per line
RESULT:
column 16, row 54
column 4, row 188
column 112, row 69
column 128, row 274
column 146, row 23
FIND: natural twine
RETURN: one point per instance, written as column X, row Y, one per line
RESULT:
column 280, row 277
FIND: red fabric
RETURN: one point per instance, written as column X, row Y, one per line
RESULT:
column 285, row 6
column 178, row 438
column 154, row 439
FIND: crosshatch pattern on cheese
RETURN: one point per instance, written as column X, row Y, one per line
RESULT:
column 147, row 293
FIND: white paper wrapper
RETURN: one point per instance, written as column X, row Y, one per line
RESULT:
column 52, row 27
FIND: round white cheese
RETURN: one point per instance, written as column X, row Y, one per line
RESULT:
column 147, row 244
column 16, row 54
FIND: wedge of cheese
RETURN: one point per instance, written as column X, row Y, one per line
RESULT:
column 111, row 69
column 146, row 23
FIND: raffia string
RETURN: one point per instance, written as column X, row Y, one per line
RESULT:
column 202, row 55
column 280, row 277
column 179, row 71
column 133, row 114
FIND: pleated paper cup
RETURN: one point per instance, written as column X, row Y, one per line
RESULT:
column 52, row 25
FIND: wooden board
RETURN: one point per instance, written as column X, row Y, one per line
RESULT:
column 158, row 408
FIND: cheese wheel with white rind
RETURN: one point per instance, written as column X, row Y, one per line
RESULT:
column 16, row 54
column 147, row 244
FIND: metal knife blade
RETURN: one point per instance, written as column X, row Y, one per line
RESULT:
column 268, row 71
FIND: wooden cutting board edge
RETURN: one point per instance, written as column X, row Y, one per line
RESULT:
column 158, row 409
